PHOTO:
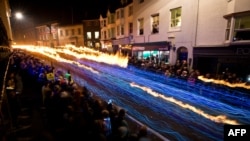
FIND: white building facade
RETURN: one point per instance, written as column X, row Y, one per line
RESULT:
column 47, row 34
column 207, row 34
column 124, row 28
column 117, row 28
column 70, row 35
column 107, row 25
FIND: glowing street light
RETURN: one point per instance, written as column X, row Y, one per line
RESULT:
column 19, row 15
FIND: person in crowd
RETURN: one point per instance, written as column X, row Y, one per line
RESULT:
column 103, row 127
column 13, row 98
column 120, row 121
column 122, row 134
column 46, row 93
column 143, row 134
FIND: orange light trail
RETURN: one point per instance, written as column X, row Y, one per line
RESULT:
column 51, row 53
column 219, row 119
column 222, row 82
column 90, row 54
column 80, row 53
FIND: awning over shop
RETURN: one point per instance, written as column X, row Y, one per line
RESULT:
column 162, row 46
column 138, row 48
column 243, row 50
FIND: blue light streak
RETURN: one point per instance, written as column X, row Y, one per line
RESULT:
column 167, row 118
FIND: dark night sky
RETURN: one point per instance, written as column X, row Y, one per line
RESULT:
column 60, row 10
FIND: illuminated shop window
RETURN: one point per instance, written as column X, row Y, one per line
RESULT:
column 88, row 35
column 97, row 35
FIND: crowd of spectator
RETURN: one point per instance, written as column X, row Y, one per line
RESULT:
column 181, row 69
column 72, row 112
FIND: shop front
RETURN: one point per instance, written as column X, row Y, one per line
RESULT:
column 122, row 45
column 158, row 50
column 216, row 59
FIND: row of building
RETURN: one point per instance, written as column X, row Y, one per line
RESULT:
column 210, row 35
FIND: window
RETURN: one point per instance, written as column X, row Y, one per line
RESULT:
column 104, row 23
column 61, row 32
column 122, row 29
column 89, row 23
column 97, row 35
column 242, row 28
column 112, row 32
column 130, row 10
column 155, row 23
column 228, row 29
column 130, row 28
column 112, row 18
column 79, row 31
column 105, row 35
column 54, row 35
column 118, row 30
column 67, row 32
column 96, row 23
column 122, row 13
column 73, row 32
column 109, row 33
column 141, row 24
column 175, row 17
column 89, row 44
column 117, row 15
column 88, row 35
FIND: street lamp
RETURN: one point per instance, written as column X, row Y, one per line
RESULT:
column 23, row 29
column 19, row 15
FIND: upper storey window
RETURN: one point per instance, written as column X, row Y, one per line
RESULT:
column 111, row 19
column 155, row 23
column 130, row 10
column 242, row 28
column 175, row 17
column 141, row 26
column 117, row 15
column 122, row 13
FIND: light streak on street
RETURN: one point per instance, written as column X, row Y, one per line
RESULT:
column 170, row 106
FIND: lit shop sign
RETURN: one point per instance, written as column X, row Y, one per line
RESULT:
column 243, row 51
column 138, row 48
